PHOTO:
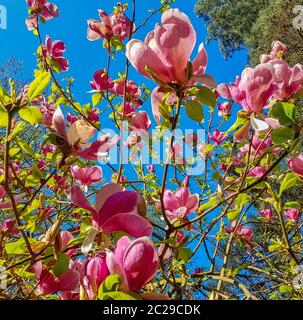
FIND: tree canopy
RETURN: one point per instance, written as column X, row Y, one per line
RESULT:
column 253, row 24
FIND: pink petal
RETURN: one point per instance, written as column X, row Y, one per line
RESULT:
column 105, row 192
column 131, row 223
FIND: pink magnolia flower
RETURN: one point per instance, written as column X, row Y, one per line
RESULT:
column 288, row 80
column 54, row 51
column 102, row 81
column 167, row 49
column 157, row 97
column 296, row 164
column 50, row 148
column 218, row 137
column 257, row 172
column 151, row 168
column 140, row 120
column 224, row 109
column 66, row 236
column 42, row 8
column 258, row 146
column 71, row 118
column 127, row 260
column 253, row 89
column 245, row 233
column 267, row 214
column 278, row 49
column 86, row 176
column 8, row 204
column 8, row 227
column 181, row 203
column 110, row 26
column 94, row 272
column 292, row 214
column 49, row 284
column 47, row 109
column 116, row 210
column 93, row 115
column 132, row 91
column 75, row 139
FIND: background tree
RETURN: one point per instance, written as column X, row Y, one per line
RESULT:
column 253, row 24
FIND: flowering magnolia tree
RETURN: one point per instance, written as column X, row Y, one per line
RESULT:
column 91, row 213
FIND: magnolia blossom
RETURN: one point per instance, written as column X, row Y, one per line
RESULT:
column 135, row 261
column 277, row 50
column 86, row 176
column 296, row 164
column 258, row 172
column 253, row 90
column 8, row 204
column 288, row 80
column 110, row 26
column 258, row 146
column 94, row 272
column 267, row 214
column 54, row 51
column 292, row 214
column 165, row 55
column 245, row 233
column 76, row 138
column 224, row 109
column 132, row 91
column 42, row 8
column 102, row 81
column 218, row 137
column 181, row 203
column 140, row 120
column 115, row 210
column 8, row 227
column 49, row 283
column 93, row 116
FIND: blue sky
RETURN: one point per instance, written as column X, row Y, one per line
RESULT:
column 86, row 57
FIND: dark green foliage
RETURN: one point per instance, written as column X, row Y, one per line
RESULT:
column 253, row 24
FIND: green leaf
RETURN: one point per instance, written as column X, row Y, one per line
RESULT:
column 19, row 126
column 285, row 289
column 212, row 201
column 96, row 99
column 185, row 254
column 32, row 181
column 284, row 112
column 111, row 283
column 194, row 110
column 242, row 199
column 118, row 295
column 61, row 265
column 289, row 181
column 17, row 247
column 233, row 214
column 240, row 121
column 3, row 119
column 282, row 135
column 4, row 98
column 31, row 114
column 207, row 97
column 26, row 148
column 38, row 85
column 292, row 204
